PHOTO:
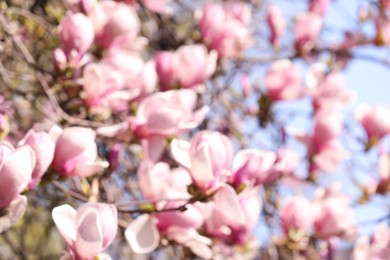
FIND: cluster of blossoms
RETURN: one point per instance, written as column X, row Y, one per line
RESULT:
column 199, row 188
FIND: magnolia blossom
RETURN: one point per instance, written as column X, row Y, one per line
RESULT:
column 76, row 34
column 43, row 146
column 251, row 165
column 324, row 149
column 165, row 114
column 158, row 181
column 332, row 214
column 87, row 231
column 319, row 6
column 375, row 120
column 190, row 65
column 165, row 68
column 232, row 217
column 207, row 157
column 283, row 81
column 103, row 88
column 107, row 18
column 13, row 212
column 307, row 30
column 295, row 215
column 276, row 24
column 76, row 153
column 16, row 168
column 328, row 90
column 224, row 28
column 143, row 234
column 194, row 65
column 139, row 77
column 377, row 247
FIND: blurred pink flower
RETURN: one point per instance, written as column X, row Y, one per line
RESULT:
column 189, row 66
column 89, row 230
column 165, row 114
column 375, row 120
column 376, row 248
column 253, row 166
column 76, row 34
column 319, row 6
column 15, row 210
column 276, row 24
column 307, row 30
column 107, row 18
column 207, row 157
column 16, row 168
column 194, row 65
column 43, row 146
column 328, row 90
column 139, row 77
column 224, row 28
column 283, row 81
column 295, row 215
column 332, row 214
column 76, row 153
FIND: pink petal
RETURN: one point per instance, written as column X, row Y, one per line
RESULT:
column 15, row 211
column 201, row 167
column 180, row 150
column 89, row 238
column 228, row 205
column 142, row 235
column 64, row 217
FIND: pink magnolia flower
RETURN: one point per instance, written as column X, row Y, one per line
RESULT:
column 375, row 121
column 158, row 181
column 295, row 215
column 107, row 18
column 319, row 6
column 377, row 247
column 165, row 68
column 207, row 157
column 165, row 114
column 190, row 65
column 87, row 231
column 307, row 30
column 194, row 65
column 43, row 146
column 139, row 77
column 143, row 233
column 104, row 88
column 76, row 34
column 332, row 214
column 328, row 90
column 16, row 168
column 283, row 81
column 15, row 210
column 231, row 217
column 76, row 153
column 324, row 149
column 276, row 24
column 251, row 165
column 224, row 28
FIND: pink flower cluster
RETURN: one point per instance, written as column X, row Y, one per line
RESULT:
column 70, row 152
column 224, row 28
column 328, row 215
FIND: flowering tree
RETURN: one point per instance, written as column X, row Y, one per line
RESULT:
column 189, row 129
